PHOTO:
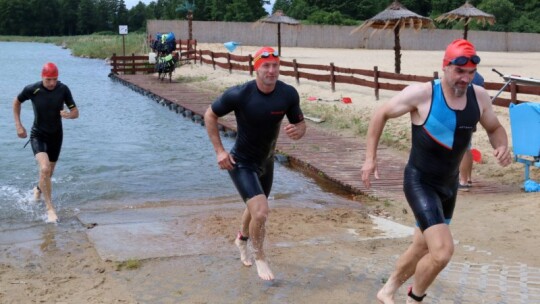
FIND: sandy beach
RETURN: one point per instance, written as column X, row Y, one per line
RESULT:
column 329, row 251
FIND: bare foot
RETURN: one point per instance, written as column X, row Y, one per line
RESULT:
column 37, row 194
column 244, row 253
column 385, row 297
column 51, row 217
column 264, row 271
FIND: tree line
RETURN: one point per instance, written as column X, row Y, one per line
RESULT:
column 81, row 17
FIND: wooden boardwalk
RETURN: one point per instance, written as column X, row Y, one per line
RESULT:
column 336, row 159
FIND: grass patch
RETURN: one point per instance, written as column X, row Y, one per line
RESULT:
column 337, row 117
column 189, row 79
column 129, row 265
column 92, row 46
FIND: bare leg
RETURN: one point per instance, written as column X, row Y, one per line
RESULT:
column 465, row 168
column 258, row 209
column 405, row 267
column 37, row 193
column 441, row 248
column 46, row 169
column 241, row 244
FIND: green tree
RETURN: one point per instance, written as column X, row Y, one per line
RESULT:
column 219, row 7
column 237, row 11
column 86, row 14
column 137, row 17
column 12, row 17
column 503, row 10
column 121, row 14
column 283, row 5
column 68, row 17
column 300, row 10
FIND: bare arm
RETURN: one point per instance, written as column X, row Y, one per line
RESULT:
column 224, row 159
column 296, row 131
column 73, row 113
column 495, row 131
column 407, row 101
column 21, row 131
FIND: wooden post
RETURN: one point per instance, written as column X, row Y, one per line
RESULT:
column 513, row 91
column 200, row 56
column 250, row 65
column 435, row 75
column 190, row 27
column 114, row 64
column 133, row 63
column 279, row 38
column 213, row 60
column 333, row 76
column 229, row 62
column 376, row 80
column 296, row 74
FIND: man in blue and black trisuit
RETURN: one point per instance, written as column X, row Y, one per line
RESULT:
column 48, row 98
column 259, row 106
column 443, row 113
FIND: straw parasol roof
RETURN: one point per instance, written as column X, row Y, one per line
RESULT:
column 466, row 13
column 278, row 17
column 396, row 16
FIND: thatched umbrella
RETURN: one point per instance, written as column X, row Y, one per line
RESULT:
column 466, row 13
column 396, row 16
column 279, row 18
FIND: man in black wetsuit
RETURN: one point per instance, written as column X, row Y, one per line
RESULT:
column 259, row 106
column 48, row 97
column 443, row 115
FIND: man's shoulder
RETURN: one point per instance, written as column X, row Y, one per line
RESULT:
column 61, row 86
column 29, row 91
column 420, row 89
column 285, row 87
column 33, row 86
column 241, row 87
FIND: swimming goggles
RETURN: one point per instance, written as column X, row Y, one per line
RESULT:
column 275, row 54
column 463, row 60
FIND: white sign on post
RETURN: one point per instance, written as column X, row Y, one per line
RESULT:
column 123, row 29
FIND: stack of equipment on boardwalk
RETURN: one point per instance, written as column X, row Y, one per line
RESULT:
column 164, row 43
column 165, row 65
column 166, row 55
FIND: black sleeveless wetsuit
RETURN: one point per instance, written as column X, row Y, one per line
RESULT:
column 258, row 119
column 46, row 134
column 431, row 176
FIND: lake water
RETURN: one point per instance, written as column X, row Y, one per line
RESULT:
column 124, row 149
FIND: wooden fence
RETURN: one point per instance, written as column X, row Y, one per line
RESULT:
column 375, row 79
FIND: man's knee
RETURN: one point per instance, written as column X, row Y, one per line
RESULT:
column 442, row 254
column 258, row 208
column 45, row 170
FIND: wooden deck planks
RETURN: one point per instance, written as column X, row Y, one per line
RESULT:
column 336, row 158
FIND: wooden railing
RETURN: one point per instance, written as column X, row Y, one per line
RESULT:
column 131, row 64
column 375, row 79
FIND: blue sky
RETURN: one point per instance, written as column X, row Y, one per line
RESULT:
column 132, row 3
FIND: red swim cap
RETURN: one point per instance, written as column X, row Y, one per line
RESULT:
column 265, row 54
column 459, row 47
column 49, row 70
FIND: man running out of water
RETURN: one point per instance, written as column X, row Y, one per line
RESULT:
column 259, row 106
column 443, row 113
column 48, row 98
